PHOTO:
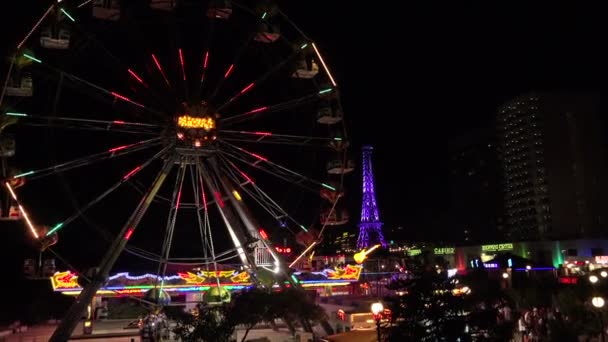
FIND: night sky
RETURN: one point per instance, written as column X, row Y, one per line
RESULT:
column 413, row 76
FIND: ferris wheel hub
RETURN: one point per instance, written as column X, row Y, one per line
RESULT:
column 196, row 127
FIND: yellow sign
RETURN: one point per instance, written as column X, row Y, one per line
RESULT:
column 207, row 123
column 497, row 247
column 444, row 250
column 347, row 272
column 64, row 280
column 361, row 256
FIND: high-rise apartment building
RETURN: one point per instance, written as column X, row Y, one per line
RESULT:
column 553, row 160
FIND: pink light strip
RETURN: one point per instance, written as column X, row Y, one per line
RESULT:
column 131, row 173
column 181, row 61
column 124, row 98
column 112, row 150
column 135, row 76
column 257, row 110
column 229, row 71
column 247, row 88
column 160, row 69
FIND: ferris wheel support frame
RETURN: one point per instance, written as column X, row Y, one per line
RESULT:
column 68, row 323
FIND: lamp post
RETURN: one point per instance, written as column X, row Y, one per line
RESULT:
column 377, row 309
column 598, row 303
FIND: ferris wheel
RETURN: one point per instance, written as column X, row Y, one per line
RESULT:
column 178, row 118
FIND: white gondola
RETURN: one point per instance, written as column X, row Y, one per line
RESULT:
column 7, row 146
column 337, row 217
column 329, row 116
column 338, row 167
column 48, row 267
column 163, row 5
column 106, row 9
column 13, row 214
column 267, row 33
column 220, row 9
column 20, row 85
column 55, row 39
column 306, row 68
column 29, row 267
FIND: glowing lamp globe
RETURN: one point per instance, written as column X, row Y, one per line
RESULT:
column 377, row 308
column 598, row 302
column 593, row 279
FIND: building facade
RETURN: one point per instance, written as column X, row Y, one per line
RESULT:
column 553, row 163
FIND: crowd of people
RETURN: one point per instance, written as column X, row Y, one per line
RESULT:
column 154, row 327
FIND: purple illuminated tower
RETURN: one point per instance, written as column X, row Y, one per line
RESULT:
column 370, row 228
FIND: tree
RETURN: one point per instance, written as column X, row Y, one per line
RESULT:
column 211, row 324
column 249, row 308
column 429, row 310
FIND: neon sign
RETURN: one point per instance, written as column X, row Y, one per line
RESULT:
column 497, row 247
column 64, row 280
column 347, row 273
column 414, row 252
column 444, row 250
column 207, row 123
column 283, row 250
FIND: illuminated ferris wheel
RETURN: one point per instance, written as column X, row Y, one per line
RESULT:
column 200, row 112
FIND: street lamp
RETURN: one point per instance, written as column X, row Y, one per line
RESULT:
column 593, row 279
column 604, row 274
column 599, row 302
column 377, row 309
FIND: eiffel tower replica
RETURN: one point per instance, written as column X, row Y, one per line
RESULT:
column 370, row 227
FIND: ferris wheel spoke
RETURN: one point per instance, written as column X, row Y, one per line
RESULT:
column 111, row 153
column 261, row 197
column 263, row 164
column 88, row 124
column 29, row 34
column 171, row 219
column 231, row 67
column 67, row 325
column 94, row 86
column 272, row 138
column 260, row 80
column 123, row 67
column 199, row 207
column 103, row 195
column 275, row 108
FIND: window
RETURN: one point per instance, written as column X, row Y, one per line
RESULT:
column 597, row 251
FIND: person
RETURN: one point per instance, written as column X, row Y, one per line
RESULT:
column 149, row 331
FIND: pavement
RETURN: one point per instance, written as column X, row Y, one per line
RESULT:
column 354, row 336
column 111, row 331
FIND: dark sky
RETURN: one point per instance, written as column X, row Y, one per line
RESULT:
column 412, row 76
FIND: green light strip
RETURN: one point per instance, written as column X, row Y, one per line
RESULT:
column 304, row 228
column 303, row 46
column 264, row 15
column 67, row 14
column 16, row 114
column 328, row 186
column 23, row 174
column 32, row 58
column 325, row 90
column 56, row 228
